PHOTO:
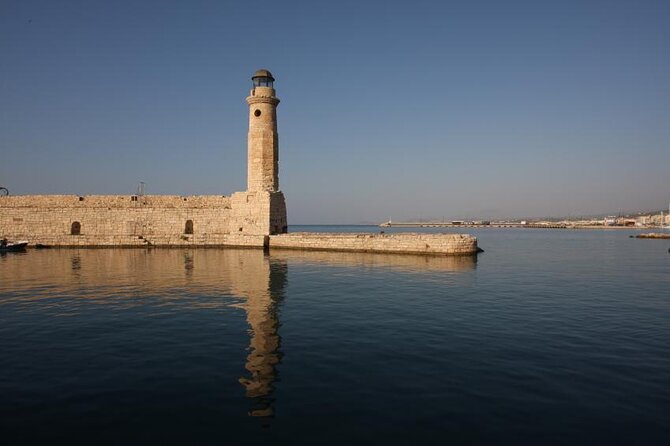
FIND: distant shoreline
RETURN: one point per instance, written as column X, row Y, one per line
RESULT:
column 515, row 225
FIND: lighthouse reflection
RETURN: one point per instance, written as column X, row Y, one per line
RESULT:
column 264, row 293
column 262, row 281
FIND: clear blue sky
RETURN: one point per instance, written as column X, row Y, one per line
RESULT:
column 407, row 109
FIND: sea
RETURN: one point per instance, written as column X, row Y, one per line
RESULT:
column 552, row 336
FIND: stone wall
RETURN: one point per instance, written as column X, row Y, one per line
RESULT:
column 406, row 243
column 245, row 219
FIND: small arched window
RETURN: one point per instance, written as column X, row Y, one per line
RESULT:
column 188, row 228
column 75, row 229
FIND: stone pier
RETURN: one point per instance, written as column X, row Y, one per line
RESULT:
column 405, row 243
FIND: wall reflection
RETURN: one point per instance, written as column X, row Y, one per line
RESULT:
column 208, row 271
column 400, row 262
column 200, row 278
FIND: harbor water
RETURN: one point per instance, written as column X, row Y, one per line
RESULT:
column 548, row 337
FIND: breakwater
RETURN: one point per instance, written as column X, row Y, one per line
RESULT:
column 497, row 225
column 411, row 243
column 472, row 225
column 656, row 235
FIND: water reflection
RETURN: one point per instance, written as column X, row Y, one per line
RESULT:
column 203, row 278
column 210, row 271
column 400, row 262
column 188, row 264
column 264, row 292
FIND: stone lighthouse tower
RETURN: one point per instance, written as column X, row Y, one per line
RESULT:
column 263, row 161
column 261, row 210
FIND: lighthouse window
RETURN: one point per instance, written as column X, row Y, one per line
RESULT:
column 263, row 82
column 257, row 113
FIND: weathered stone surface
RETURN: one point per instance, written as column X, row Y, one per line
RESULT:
column 406, row 243
column 263, row 141
column 159, row 220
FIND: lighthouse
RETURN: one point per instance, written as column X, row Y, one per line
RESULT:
column 263, row 141
column 261, row 209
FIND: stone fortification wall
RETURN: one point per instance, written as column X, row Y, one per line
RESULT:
column 409, row 243
column 115, row 201
column 245, row 219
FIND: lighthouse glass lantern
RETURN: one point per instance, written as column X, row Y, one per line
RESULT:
column 263, row 78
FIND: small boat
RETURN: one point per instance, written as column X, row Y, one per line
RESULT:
column 6, row 246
